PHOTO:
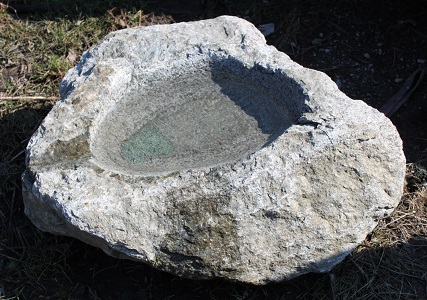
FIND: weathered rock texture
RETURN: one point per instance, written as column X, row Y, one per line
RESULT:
column 198, row 149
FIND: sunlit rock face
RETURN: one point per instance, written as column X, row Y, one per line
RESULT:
column 201, row 151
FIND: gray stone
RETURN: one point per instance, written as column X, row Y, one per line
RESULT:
column 201, row 151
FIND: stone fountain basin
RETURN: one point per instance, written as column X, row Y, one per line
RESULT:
column 201, row 151
column 212, row 112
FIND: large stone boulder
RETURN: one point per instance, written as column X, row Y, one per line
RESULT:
column 201, row 151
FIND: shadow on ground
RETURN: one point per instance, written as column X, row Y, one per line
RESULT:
column 77, row 271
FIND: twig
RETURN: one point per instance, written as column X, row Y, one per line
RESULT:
column 16, row 156
column 86, row 41
column 360, row 269
column 405, row 274
column 339, row 28
column 404, row 93
column 17, row 98
column 332, row 283
column 398, row 219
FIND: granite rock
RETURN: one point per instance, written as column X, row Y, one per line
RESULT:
column 200, row 150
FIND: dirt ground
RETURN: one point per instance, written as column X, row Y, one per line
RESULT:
column 369, row 48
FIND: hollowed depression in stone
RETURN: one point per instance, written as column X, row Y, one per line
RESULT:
column 206, row 117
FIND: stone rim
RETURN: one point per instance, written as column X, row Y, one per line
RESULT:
column 264, row 106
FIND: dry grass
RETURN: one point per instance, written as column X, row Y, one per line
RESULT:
column 35, row 52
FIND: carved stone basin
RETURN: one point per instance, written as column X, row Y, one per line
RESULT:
column 213, row 112
column 201, row 151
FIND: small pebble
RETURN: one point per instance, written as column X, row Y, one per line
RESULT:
column 317, row 41
column 398, row 80
column 366, row 55
column 421, row 61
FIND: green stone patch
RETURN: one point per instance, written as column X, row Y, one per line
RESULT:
column 145, row 145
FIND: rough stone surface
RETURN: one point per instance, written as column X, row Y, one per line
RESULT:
column 198, row 149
